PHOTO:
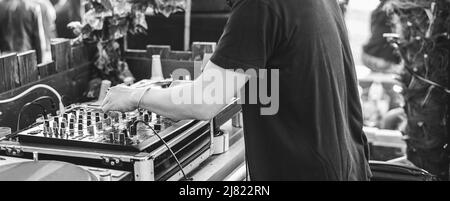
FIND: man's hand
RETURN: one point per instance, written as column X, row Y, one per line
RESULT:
column 125, row 99
column 160, row 101
column 122, row 99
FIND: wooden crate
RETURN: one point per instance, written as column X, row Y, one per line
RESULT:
column 68, row 73
column 140, row 61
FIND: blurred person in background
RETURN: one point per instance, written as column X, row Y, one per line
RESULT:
column 48, row 13
column 343, row 4
column 378, row 55
column 66, row 12
column 22, row 27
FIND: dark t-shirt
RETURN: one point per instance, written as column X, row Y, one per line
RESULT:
column 317, row 133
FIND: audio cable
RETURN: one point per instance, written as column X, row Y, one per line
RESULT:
column 35, row 103
column 61, row 105
column 167, row 146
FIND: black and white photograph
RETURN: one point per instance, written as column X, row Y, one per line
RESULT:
column 241, row 93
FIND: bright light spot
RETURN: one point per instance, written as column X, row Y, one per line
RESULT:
column 397, row 89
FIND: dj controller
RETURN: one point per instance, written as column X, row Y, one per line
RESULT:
column 86, row 126
column 148, row 146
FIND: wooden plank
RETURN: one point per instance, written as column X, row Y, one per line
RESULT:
column 46, row 69
column 3, row 76
column 61, row 54
column 140, row 61
column 42, row 70
column 28, row 67
column 12, row 69
column 162, row 50
column 180, row 55
column 135, row 54
column 141, row 68
column 80, row 55
column 22, row 69
column 71, row 84
column 33, row 74
column 169, row 66
column 201, row 48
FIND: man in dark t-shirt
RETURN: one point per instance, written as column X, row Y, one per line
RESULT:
column 316, row 133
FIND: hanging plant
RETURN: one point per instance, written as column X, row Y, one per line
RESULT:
column 107, row 21
column 423, row 42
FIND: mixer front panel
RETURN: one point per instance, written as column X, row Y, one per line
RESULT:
column 84, row 126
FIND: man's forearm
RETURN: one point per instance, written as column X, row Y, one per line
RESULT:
column 161, row 101
column 201, row 99
column 194, row 100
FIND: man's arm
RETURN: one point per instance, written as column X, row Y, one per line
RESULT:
column 201, row 99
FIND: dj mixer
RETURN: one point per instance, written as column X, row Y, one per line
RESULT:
column 87, row 126
column 150, row 146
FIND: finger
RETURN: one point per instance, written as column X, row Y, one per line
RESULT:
column 107, row 107
column 106, row 100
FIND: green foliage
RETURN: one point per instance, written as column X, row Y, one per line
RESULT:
column 424, row 44
column 106, row 21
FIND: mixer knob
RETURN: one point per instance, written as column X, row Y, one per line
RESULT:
column 63, row 129
column 108, row 121
column 111, row 137
column 55, row 129
column 122, row 138
column 66, row 116
column 71, row 128
column 90, row 128
column 134, row 119
column 46, row 127
column 80, row 127
column 157, row 127
column 147, row 118
column 64, row 120
column 116, row 118
column 99, row 125
column 56, row 119
column 133, row 130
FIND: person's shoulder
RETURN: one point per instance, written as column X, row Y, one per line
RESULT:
column 272, row 5
column 255, row 2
